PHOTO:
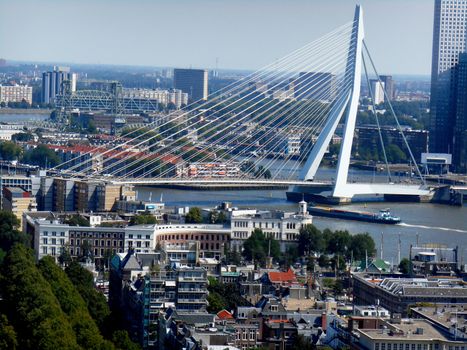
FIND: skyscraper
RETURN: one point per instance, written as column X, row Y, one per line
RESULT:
column 449, row 35
column 388, row 85
column 460, row 128
column 377, row 89
column 192, row 81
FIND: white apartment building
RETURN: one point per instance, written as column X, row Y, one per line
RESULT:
column 377, row 91
column 140, row 238
column 15, row 93
column 175, row 96
column 283, row 227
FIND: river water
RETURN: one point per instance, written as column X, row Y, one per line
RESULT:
column 21, row 118
column 421, row 222
column 425, row 223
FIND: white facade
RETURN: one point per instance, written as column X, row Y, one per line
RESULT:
column 140, row 238
column 449, row 33
column 377, row 89
column 15, row 93
column 283, row 227
column 49, row 238
column 175, row 96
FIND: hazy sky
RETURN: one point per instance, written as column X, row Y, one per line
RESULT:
column 244, row 34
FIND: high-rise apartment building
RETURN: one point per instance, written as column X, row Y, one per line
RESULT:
column 15, row 93
column 377, row 90
column 194, row 82
column 388, row 86
column 449, row 36
column 52, row 83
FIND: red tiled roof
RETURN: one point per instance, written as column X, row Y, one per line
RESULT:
column 225, row 315
column 279, row 277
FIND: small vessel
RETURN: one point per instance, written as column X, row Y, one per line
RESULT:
column 383, row 217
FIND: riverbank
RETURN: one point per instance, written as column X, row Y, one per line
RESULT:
column 24, row 111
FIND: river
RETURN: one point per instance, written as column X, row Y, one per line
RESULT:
column 425, row 223
column 422, row 222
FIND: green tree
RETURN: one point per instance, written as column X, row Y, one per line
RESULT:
column 22, row 137
column 194, row 216
column 8, row 338
column 32, row 307
column 257, row 247
column 395, row 154
column 77, row 220
column 41, row 156
column 216, row 302
column 143, row 219
column 404, row 266
column 323, row 261
column 71, row 302
column 10, row 151
column 338, row 242
column 310, row 240
column 361, row 245
column 122, row 341
column 96, row 303
column 9, row 234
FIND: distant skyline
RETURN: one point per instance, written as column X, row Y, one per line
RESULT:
column 242, row 34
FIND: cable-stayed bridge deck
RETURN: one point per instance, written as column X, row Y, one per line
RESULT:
column 262, row 130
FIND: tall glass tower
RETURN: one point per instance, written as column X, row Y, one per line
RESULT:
column 449, row 37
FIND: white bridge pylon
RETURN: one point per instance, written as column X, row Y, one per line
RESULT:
column 347, row 107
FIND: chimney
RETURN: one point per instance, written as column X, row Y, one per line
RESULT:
column 324, row 321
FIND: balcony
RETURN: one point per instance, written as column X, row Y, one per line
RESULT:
column 192, row 290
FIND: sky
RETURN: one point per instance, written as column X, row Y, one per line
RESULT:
column 241, row 34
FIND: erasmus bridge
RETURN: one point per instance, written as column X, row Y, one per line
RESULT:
column 241, row 130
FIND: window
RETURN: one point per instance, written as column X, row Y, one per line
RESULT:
column 45, row 233
column 44, row 250
column 44, row 241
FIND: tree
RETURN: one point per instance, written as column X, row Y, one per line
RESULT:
column 122, row 341
column 10, row 151
column 338, row 287
column 404, row 266
column 395, row 154
column 310, row 240
column 71, row 302
column 194, row 216
column 257, row 247
column 8, row 338
column 22, row 137
column 77, row 220
column 323, row 261
column 65, row 257
column 31, row 305
column 338, row 242
column 41, row 156
column 96, row 303
column 216, row 302
column 143, row 219
column 361, row 245
column 9, row 234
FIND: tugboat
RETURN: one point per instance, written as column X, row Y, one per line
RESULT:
column 383, row 217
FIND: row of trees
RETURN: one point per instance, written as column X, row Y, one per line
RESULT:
column 41, row 155
column 45, row 307
column 312, row 241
